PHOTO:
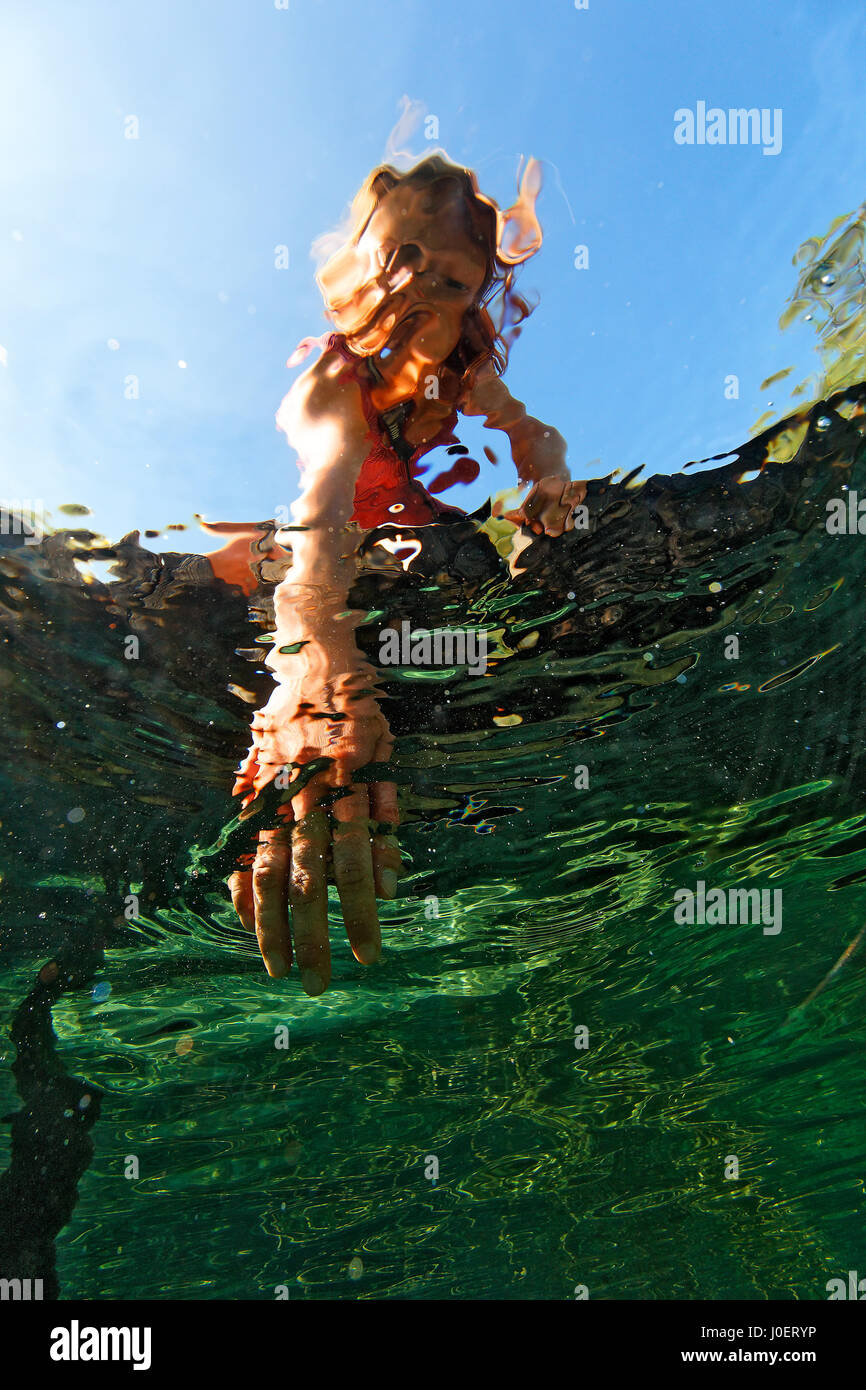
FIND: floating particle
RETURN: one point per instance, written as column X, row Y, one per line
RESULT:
column 84, row 1102
column 100, row 992
column 571, row 595
column 823, row 422
column 75, row 815
column 648, row 656
column 356, row 1268
column 181, row 362
column 113, row 344
column 681, row 680
column 4, row 357
column 507, row 721
column 715, row 587
column 61, row 724
column 183, row 1045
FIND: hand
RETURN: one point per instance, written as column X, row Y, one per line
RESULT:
column 300, row 724
column 549, row 506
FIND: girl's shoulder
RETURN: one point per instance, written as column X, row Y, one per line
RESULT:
column 328, row 389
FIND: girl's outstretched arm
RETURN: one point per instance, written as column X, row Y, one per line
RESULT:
column 323, row 709
column 539, row 454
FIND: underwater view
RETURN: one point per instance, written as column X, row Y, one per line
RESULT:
column 432, row 564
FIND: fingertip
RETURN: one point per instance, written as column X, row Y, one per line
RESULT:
column 313, row 982
column 276, row 965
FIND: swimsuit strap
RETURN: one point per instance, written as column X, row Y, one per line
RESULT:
column 393, row 421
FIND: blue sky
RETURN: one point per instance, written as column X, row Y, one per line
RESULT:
column 257, row 124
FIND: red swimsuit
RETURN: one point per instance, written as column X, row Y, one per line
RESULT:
column 387, row 490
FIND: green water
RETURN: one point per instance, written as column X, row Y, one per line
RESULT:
column 261, row 1166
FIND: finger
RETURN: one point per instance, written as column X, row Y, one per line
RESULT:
column 532, row 504
column 308, row 895
column 387, row 860
column 551, row 520
column 270, row 896
column 353, row 872
column 310, row 797
column 387, row 863
column 384, row 805
column 383, row 750
column 241, row 889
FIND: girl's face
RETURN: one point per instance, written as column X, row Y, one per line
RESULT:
column 415, row 271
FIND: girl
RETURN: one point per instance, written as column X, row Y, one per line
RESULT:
column 409, row 295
